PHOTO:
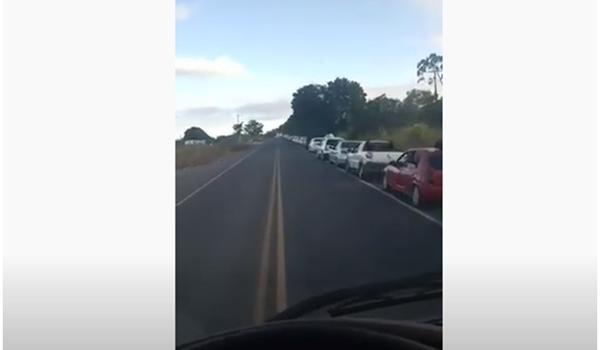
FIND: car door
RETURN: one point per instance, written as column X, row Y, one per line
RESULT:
column 407, row 167
column 393, row 172
column 333, row 157
column 354, row 157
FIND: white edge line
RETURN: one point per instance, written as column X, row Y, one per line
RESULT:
column 408, row 206
column 214, row 178
column 390, row 196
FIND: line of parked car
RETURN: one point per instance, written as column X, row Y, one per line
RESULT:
column 416, row 172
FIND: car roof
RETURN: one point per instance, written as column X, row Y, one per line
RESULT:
column 424, row 149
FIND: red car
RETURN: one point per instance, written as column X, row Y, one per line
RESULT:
column 418, row 174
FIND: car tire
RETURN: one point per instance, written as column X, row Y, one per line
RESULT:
column 415, row 197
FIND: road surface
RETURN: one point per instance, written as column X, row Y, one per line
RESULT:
column 272, row 226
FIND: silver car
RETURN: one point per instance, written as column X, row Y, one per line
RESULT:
column 314, row 143
column 339, row 155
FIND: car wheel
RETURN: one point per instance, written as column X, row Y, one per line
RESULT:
column 347, row 166
column 415, row 197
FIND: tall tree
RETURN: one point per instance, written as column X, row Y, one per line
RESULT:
column 347, row 100
column 253, row 128
column 311, row 114
column 431, row 69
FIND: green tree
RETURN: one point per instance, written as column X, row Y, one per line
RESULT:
column 416, row 99
column 382, row 112
column 253, row 128
column 432, row 114
column 341, row 106
column 237, row 128
column 196, row 133
column 346, row 100
column 431, row 69
column 311, row 115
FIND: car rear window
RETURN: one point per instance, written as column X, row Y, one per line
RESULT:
column 379, row 146
column 436, row 161
column 350, row 144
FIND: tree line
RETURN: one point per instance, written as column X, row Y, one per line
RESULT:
column 341, row 106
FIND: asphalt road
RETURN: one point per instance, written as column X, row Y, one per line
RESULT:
column 270, row 227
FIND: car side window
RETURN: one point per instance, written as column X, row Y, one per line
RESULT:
column 416, row 158
column 403, row 159
column 407, row 160
column 410, row 158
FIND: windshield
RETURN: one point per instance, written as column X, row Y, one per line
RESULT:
column 267, row 213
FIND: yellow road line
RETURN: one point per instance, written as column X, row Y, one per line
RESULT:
column 271, row 233
column 261, row 295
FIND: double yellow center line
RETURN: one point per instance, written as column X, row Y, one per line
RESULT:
column 271, row 295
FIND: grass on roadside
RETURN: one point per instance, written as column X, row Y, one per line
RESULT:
column 194, row 155
column 417, row 135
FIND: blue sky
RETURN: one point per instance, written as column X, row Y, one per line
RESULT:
column 247, row 57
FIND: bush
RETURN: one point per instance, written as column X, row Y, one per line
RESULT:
column 194, row 155
column 417, row 135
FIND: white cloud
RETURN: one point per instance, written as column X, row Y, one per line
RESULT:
column 393, row 91
column 219, row 120
column 434, row 6
column 256, row 110
column 205, row 68
column 266, row 110
column 182, row 12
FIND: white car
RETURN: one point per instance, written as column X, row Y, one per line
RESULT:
column 327, row 146
column 339, row 155
column 314, row 143
column 370, row 157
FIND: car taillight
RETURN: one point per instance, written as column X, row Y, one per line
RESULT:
column 369, row 155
